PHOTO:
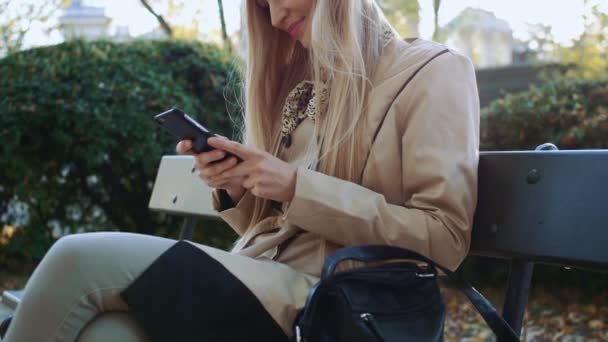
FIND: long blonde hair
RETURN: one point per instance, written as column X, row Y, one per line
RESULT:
column 344, row 49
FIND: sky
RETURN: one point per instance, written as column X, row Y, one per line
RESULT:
column 565, row 16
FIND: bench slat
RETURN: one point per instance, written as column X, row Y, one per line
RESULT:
column 179, row 190
column 561, row 219
column 11, row 298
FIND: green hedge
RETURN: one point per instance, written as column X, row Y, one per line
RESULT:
column 79, row 147
column 570, row 114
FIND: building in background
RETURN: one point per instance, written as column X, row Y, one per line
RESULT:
column 88, row 22
column 81, row 21
column 485, row 39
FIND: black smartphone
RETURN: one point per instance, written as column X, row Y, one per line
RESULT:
column 183, row 127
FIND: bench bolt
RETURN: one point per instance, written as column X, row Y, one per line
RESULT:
column 533, row 176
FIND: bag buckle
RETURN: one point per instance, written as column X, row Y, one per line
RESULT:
column 425, row 275
column 425, row 271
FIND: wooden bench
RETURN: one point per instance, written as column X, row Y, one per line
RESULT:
column 533, row 207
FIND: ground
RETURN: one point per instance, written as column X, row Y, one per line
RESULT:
column 552, row 315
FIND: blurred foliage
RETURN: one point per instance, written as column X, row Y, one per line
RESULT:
column 588, row 52
column 572, row 114
column 79, row 147
column 17, row 17
column 404, row 15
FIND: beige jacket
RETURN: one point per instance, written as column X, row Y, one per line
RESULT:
column 419, row 186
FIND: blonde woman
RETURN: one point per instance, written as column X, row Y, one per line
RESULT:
column 352, row 136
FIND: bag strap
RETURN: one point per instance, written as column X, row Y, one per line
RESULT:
column 369, row 253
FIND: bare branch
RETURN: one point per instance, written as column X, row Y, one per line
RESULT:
column 163, row 23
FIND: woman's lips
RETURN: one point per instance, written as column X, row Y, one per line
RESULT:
column 295, row 28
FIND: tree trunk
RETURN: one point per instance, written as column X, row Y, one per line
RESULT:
column 227, row 43
column 436, row 5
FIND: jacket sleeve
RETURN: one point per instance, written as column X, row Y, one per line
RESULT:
column 237, row 217
column 439, row 158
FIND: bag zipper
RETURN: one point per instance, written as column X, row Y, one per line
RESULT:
column 370, row 322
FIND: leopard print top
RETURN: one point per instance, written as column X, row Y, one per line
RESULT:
column 305, row 102
column 302, row 102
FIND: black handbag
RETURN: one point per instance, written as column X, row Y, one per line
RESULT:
column 396, row 301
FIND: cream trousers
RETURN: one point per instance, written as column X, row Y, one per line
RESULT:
column 73, row 295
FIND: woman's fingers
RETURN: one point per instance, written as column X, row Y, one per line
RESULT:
column 217, row 168
column 217, row 185
column 202, row 160
column 184, row 147
column 244, row 168
column 240, row 150
column 249, row 183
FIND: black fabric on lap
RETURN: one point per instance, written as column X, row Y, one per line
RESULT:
column 225, row 200
column 186, row 295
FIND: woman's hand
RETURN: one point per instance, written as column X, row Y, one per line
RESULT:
column 265, row 175
column 207, row 170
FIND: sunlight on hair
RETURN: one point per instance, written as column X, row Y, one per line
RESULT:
column 345, row 48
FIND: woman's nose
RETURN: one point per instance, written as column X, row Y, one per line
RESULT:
column 278, row 13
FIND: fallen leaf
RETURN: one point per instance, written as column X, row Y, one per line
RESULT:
column 590, row 309
column 595, row 324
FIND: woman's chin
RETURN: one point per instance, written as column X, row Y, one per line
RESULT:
column 304, row 42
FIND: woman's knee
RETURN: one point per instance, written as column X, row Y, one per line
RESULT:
column 79, row 251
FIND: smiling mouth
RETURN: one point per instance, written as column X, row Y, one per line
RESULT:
column 296, row 27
